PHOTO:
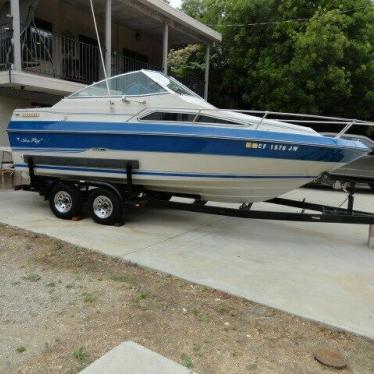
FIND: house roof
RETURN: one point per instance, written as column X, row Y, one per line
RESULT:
column 149, row 16
column 179, row 17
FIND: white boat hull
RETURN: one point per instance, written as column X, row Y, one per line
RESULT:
column 212, row 177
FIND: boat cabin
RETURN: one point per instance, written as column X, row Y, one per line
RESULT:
column 140, row 96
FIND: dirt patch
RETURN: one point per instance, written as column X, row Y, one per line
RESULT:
column 63, row 307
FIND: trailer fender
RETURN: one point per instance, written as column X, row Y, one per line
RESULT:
column 108, row 186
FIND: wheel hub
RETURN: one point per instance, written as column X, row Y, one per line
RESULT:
column 102, row 207
column 63, row 202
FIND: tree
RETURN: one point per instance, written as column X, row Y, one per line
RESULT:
column 186, row 60
column 194, row 8
column 304, row 56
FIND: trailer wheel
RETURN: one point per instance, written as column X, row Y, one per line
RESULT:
column 105, row 206
column 65, row 201
column 371, row 185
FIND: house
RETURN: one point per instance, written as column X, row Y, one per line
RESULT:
column 49, row 49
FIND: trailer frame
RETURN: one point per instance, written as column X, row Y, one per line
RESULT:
column 133, row 197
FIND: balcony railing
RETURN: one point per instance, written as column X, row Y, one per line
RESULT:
column 71, row 59
column 59, row 56
column 124, row 64
column 65, row 57
column 62, row 56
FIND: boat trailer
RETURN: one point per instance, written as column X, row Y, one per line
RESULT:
column 310, row 212
column 323, row 213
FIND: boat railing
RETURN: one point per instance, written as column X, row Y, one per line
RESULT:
column 301, row 119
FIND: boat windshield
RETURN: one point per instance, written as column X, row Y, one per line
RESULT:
column 130, row 84
column 170, row 83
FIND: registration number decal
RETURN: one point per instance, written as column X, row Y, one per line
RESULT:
column 272, row 147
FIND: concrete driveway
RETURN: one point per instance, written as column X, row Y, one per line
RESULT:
column 323, row 272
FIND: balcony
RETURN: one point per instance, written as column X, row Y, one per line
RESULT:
column 69, row 59
column 63, row 57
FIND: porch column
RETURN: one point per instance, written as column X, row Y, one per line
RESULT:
column 165, row 49
column 16, row 25
column 108, row 37
column 57, row 43
column 207, row 68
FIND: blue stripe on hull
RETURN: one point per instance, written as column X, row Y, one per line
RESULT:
column 204, row 140
column 168, row 174
column 182, row 129
column 170, row 144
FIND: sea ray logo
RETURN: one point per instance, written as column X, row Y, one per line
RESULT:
column 33, row 140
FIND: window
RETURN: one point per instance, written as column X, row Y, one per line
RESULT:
column 208, row 119
column 131, row 84
column 167, row 116
column 184, row 117
column 170, row 83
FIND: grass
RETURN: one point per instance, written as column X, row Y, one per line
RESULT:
column 21, row 349
column 197, row 350
column 222, row 310
column 201, row 317
column 89, row 298
column 80, row 354
column 141, row 296
column 122, row 277
column 186, row 361
column 51, row 284
column 59, row 246
column 32, row 277
column 47, row 347
column 69, row 286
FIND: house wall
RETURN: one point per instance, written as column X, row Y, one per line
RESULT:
column 7, row 106
column 73, row 21
column 11, row 99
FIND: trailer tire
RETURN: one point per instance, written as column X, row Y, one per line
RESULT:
column 105, row 206
column 65, row 201
column 371, row 185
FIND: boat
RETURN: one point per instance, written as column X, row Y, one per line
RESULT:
column 182, row 144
